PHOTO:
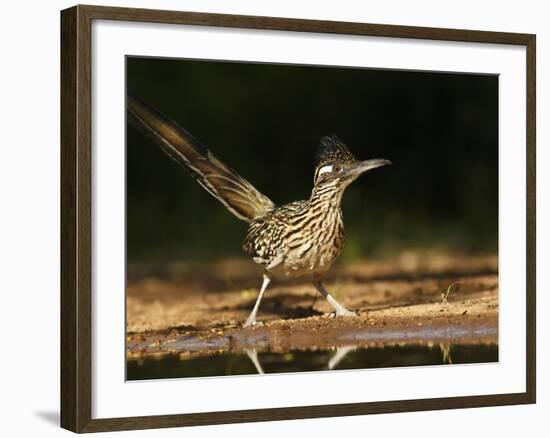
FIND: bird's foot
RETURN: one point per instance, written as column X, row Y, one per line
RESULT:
column 339, row 309
column 252, row 323
column 344, row 312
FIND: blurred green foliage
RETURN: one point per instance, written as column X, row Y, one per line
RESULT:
column 439, row 129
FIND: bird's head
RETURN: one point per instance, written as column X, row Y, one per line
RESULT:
column 336, row 166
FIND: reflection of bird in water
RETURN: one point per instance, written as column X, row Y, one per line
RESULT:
column 299, row 238
column 334, row 361
column 446, row 353
column 338, row 357
column 253, row 356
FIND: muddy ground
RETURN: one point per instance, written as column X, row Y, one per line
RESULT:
column 190, row 310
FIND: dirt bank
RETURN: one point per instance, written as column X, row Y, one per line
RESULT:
column 184, row 310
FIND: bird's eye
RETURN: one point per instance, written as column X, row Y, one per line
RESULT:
column 330, row 168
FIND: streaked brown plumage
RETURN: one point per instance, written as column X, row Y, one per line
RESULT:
column 299, row 238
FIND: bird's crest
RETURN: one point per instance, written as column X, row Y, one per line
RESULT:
column 332, row 149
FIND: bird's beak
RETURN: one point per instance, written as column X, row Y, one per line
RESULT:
column 364, row 166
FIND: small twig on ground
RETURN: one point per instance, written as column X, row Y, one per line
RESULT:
column 445, row 295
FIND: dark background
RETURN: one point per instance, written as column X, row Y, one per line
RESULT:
column 440, row 130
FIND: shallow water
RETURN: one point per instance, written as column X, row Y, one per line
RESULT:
column 341, row 358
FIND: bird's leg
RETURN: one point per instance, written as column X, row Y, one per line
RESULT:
column 251, row 320
column 340, row 310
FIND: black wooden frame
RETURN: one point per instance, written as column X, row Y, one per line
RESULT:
column 76, row 177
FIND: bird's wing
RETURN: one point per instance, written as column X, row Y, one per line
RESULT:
column 239, row 196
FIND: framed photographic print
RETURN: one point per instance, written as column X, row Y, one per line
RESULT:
column 303, row 218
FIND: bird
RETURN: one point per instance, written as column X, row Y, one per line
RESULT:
column 300, row 238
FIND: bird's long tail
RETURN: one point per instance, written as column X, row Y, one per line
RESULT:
column 239, row 196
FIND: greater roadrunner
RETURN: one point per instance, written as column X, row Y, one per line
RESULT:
column 300, row 238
